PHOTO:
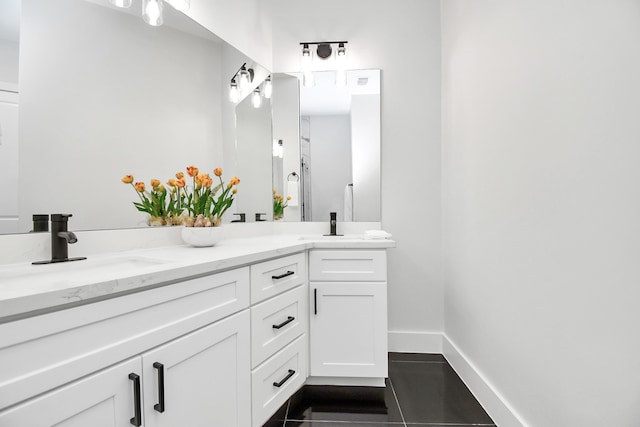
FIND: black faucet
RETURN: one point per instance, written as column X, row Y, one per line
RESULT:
column 242, row 217
column 333, row 222
column 259, row 217
column 61, row 237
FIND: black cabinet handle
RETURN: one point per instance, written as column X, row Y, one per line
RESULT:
column 286, row 322
column 284, row 380
column 282, row 276
column 315, row 301
column 160, row 405
column 137, row 419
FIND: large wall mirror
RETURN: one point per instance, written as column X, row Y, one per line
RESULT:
column 326, row 148
column 91, row 93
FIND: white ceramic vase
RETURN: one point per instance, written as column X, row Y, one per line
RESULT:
column 202, row 237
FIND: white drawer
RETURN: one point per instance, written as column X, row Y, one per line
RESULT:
column 52, row 349
column 288, row 369
column 273, row 277
column 276, row 322
column 348, row 265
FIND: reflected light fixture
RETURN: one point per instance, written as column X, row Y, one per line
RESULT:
column 278, row 148
column 324, row 51
column 124, row 4
column 268, row 87
column 234, row 93
column 256, row 98
column 152, row 12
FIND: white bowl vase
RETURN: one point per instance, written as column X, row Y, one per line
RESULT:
column 202, row 237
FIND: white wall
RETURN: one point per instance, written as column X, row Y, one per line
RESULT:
column 330, row 164
column 244, row 24
column 365, row 143
column 78, row 138
column 542, row 207
column 395, row 36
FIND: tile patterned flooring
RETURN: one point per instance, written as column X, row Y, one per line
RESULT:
column 422, row 390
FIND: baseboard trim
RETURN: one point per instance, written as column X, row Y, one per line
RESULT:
column 492, row 401
column 414, row 342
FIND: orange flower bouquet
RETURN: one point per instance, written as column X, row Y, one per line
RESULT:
column 205, row 202
column 163, row 206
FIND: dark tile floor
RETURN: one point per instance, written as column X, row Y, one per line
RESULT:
column 422, row 390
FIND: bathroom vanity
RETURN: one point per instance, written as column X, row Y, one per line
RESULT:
column 182, row 336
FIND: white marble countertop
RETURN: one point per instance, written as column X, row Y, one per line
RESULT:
column 27, row 289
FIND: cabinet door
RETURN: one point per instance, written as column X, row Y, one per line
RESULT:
column 201, row 379
column 348, row 329
column 104, row 399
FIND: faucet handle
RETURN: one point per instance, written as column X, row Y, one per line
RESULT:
column 60, row 217
column 259, row 217
column 241, row 219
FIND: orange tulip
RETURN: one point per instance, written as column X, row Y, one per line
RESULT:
column 234, row 191
column 234, row 180
column 171, row 182
column 155, row 183
column 180, row 183
column 217, row 171
column 192, row 171
column 139, row 186
column 180, row 175
column 288, row 197
column 128, row 179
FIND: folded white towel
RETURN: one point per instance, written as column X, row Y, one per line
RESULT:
column 376, row 235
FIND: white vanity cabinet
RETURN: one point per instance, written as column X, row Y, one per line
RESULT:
column 278, row 333
column 348, row 317
column 174, row 355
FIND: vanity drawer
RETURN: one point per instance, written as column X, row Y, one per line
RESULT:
column 348, row 265
column 273, row 277
column 288, row 370
column 52, row 349
column 276, row 322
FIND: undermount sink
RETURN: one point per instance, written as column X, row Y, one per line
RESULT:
column 326, row 237
column 92, row 268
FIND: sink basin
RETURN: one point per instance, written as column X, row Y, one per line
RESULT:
column 89, row 269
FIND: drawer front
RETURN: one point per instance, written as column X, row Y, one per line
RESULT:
column 276, row 322
column 348, row 265
column 273, row 277
column 277, row 379
column 52, row 349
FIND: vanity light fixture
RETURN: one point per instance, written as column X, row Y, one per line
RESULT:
column 152, row 12
column 268, row 87
column 305, row 65
column 341, row 66
column 324, row 51
column 240, row 82
column 256, row 98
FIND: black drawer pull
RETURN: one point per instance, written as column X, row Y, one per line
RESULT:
column 282, row 276
column 160, row 405
column 137, row 419
column 284, row 380
column 286, row 322
column 315, row 301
